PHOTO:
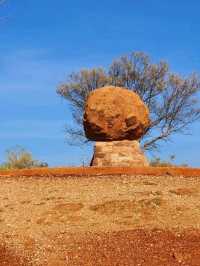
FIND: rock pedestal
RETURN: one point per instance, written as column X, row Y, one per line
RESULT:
column 124, row 153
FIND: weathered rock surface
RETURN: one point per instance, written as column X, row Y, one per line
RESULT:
column 113, row 113
column 124, row 153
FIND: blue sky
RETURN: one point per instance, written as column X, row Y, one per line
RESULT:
column 41, row 42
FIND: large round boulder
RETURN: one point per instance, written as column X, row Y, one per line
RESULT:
column 114, row 113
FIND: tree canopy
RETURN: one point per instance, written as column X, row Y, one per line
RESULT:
column 171, row 99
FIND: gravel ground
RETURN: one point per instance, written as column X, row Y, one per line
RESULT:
column 104, row 220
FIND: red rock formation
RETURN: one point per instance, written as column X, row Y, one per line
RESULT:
column 124, row 153
column 113, row 113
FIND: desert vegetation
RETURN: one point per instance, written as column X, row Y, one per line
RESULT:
column 158, row 162
column 19, row 158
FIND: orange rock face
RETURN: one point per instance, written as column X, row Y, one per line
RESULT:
column 113, row 113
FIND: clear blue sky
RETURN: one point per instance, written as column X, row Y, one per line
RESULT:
column 42, row 41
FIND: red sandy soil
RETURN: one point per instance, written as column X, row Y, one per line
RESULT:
column 138, row 247
column 88, row 171
column 138, row 218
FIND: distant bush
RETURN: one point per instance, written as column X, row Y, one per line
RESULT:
column 157, row 162
column 19, row 158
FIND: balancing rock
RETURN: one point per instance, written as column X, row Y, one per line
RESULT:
column 114, row 113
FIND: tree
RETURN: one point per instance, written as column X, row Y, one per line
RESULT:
column 171, row 99
column 19, row 158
